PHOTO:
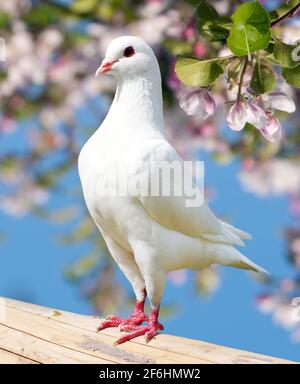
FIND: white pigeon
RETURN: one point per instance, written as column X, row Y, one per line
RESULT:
column 148, row 236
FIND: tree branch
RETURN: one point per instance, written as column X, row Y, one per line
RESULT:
column 243, row 71
column 291, row 13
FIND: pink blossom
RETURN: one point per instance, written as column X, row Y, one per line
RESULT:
column 272, row 130
column 248, row 164
column 7, row 125
column 242, row 112
column 295, row 205
column 198, row 102
column 173, row 81
column 266, row 303
column 287, row 285
column 189, row 32
column 295, row 246
column 208, row 130
column 281, row 101
column 199, row 49
column 272, row 177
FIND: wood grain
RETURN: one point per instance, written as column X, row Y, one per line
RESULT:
column 43, row 335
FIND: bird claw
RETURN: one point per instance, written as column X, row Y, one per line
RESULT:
column 114, row 321
column 108, row 323
column 128, row 327
column 149, row 331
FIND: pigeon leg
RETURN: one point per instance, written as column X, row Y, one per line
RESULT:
column 127, row 264
column 137, row 318
column 155, row 279
column 149, row 330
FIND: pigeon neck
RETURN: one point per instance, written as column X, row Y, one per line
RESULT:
column 140, row 98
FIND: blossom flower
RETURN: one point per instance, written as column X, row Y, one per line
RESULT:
column 189, row 32
column 173, row 81
column 295, row 205
column 281, row 101
column 198, row 102
column 20, row 203
column 272, row 130
column 274, row 100
column 273, row 177
column 7, row 125
column 287, row 285
column 242, row 112
column 199, row 49
column 266, row 303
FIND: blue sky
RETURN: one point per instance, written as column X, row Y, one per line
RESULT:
column 32, row 263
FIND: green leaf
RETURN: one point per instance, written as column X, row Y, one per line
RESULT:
column 270, row 47
column 105, row 11
column 83, row 6
column 198, row 73
column 263, row 79
column 206, row 12
column 217, row 31
column 251, row 29
column 4, row 19
column 194, row 3
column 41, row 16
column 178, row 47
column 292, row 76
column 284, row 54
column 210, row 24
column 270, row 59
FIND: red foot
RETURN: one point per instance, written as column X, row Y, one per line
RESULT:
column 136, row 319
column 149, row 330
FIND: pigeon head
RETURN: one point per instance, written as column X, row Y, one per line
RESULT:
column 127, row 56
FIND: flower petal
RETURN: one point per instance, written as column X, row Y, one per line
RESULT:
column 208, row 103
column 256, row 115
column 190, row 102
column 272, row 130
column 198, row 102
column 279, row 100
column 237, row 116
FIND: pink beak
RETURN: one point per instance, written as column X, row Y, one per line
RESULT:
column 105, row 66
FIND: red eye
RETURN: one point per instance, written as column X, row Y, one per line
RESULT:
column 129, row 51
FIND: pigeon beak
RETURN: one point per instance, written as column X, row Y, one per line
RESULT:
column 105, row 66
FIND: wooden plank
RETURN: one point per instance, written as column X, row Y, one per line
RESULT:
column 11, row 358
column 41, row 351
column 100, row 345
column 187, row 348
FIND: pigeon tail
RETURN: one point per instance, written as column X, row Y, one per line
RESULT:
column 231, row 257
column 229, row 235
column 238, row 232
column 233, row 234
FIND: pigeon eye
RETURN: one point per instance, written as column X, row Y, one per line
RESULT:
column 129, row 51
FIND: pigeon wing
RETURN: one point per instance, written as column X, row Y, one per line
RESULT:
column 172, row 211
